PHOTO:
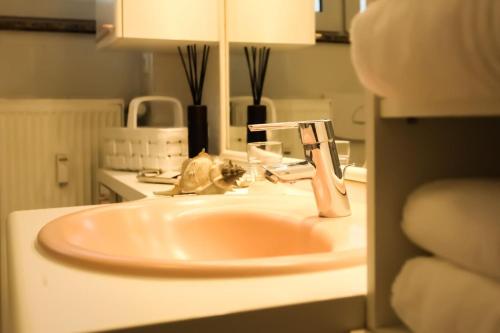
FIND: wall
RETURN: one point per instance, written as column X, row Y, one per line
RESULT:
column 76, row 9
column 58, row 65
column 320, row 71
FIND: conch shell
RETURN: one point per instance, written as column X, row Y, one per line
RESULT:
column 203, row 175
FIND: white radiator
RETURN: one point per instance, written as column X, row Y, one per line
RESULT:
column 32, row 133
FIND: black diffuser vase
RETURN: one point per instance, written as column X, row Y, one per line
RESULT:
column 257, row 60
column 256, row 114
column 197, row 113
column 197, row 129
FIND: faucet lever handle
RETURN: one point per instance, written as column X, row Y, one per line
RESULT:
column 311, row 131
column 285, row 125
column 273, row 126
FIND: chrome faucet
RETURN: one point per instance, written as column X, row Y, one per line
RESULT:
column 321, row 165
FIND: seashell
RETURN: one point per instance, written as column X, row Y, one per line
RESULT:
column 205, row 175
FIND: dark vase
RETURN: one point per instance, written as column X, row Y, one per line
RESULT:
column 256, row 114
column 197, row 129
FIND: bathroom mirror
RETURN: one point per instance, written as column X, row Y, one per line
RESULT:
column 314, row 82
column 333, row 19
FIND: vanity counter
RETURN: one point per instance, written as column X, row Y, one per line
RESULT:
column 125, row 184
column 49, row 295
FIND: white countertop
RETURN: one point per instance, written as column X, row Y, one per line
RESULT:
column 48, row 295
column 126, row 185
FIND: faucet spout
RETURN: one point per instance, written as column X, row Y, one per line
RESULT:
column 321, row 165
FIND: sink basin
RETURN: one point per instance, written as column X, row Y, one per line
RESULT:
column 204, row 235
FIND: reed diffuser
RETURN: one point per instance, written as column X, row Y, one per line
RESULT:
column 257, row 60
column 195, row 68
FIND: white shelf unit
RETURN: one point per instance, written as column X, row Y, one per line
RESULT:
column 391, row 108
column 157, row 24
column 406, row 148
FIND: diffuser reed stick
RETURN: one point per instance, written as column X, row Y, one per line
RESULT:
column 257, row 60
column 195, row 70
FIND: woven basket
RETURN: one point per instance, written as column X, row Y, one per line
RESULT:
column 132, row 148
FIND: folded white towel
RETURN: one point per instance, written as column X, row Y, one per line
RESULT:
column 428, row 49
column 433, row 296
column 458, row 220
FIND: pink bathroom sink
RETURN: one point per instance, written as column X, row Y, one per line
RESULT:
column 206, row 235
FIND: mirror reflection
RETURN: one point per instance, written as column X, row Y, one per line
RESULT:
column 315, row 82
column 333, row 19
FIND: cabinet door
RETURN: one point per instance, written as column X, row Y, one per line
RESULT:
column 286, row 22
column 180, row 20
column 157, row 23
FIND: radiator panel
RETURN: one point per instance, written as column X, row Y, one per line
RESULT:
column 33, row 132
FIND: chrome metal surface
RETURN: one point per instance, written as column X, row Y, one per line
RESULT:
column 321, row 165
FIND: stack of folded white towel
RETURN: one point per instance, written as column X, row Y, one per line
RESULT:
column 434, row 50
column 458, row 289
